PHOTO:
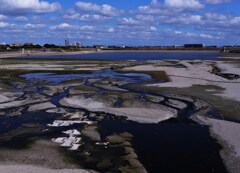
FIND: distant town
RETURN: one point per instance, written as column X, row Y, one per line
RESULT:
column 77, row 46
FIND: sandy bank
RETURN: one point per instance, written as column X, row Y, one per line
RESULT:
column 138, row 114
column 227, row 133
column 16, row 54
column 197, row 74
column 32, row 169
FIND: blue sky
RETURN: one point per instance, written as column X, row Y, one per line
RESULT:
column 128, row 22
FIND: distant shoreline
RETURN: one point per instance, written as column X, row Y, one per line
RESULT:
column 16, row 55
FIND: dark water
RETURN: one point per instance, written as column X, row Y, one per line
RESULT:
column 140, row 56
column 176, row 145
column 171, row 146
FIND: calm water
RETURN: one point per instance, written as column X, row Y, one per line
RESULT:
column 56, row 78
column 140, row 56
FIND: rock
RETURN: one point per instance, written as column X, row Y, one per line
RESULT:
column 53, row 90
column 72, row 116
column 56, row 110
column 92, row 133
column 41, row 106
column 155, row 99
column 177, row 104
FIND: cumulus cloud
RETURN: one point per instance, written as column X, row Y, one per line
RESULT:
column 34, row 26
column 3, row 17
column 4, row 24
column 153, row 28
column 129, row 21
column 16, row 7
column 104, row 9
column 87, row 17
column 184, row 4
column 67, row 26
column 21, row 19
column 208, row 36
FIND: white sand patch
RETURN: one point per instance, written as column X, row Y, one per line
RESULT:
column 228, row 67
column 198, row 74
column 232, row 91
column 142, row 115
column 81, row 102
column 3, row 98
column 41, row 106
column 65, row 123
column 15, row 104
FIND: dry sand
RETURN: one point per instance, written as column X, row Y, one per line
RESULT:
column 32, row 169
column 198, row 74
column 138, row 114
column 18, row 54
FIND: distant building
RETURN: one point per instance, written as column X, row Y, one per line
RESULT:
column 77, row 44
column 193, row 45
column 17, row 44
column 67, row 42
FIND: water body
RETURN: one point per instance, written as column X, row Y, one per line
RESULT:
column 176, row 145
column 56, row 78
column 171, row 146
column 139, row 56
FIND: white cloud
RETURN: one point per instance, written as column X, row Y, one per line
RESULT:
column 3, row 17
column 15, row 7
column 4, row 24
column 87, row 17
column 184, row 4
column 21, row 19
column 154, row 2
column 104, row 9
column 208, row 36
column 66, row 26
column 214, row 16
column 61, row 26
column 217, row 1
column 153, row 28
column 110, row 29
column 34, row 26
column 130, row 21
column 183, row 19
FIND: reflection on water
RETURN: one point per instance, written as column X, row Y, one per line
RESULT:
column 56, row 78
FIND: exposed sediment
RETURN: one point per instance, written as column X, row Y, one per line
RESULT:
column 138, row 114
column 228, row 135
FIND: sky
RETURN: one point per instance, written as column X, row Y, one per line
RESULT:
column 121, row 22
